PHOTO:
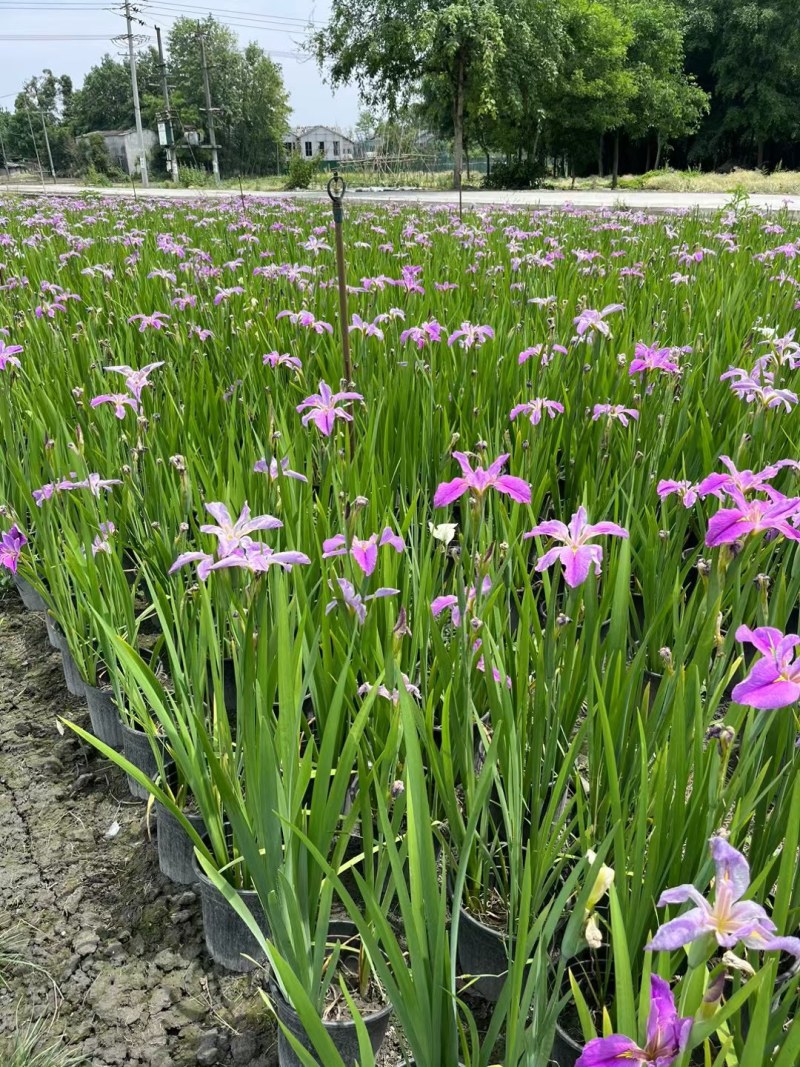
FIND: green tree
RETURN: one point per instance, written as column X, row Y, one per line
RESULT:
column 105, row 101
column 757, row 67
column 247, row 92
column 595, row 86
column 666, row 101
column 391, row 48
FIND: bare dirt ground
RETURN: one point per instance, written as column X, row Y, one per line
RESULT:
column 103, row 945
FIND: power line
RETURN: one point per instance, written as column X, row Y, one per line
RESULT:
column 36, row 6
column 56, row 37
column 234, row 23
column 235, row 13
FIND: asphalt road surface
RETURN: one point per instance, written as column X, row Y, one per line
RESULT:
column 634, row 200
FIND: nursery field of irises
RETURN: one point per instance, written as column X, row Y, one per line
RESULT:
column 466, row 687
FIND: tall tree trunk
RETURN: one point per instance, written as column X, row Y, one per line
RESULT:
column 760, row 158
column 658, row 150
column 600, row 157
column 488, row 163
column 458, row 121
column 535, row 148
column 466, row 156
column 615, row 171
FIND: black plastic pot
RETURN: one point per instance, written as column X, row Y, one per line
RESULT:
column 175, row 848
column 106, row 723
column 30, row 597
column 228, row 940
column 565, row 1051
column 138, row 751
column 343, row 1034
column 482, row 952
column 74, row 682
column 72, row 676
column 54, row 635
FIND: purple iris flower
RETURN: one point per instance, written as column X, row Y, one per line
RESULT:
column 468, row 335
column 11, row 544
column 615, row 411
column 391, row 694
column 230, row 534
column 745, row 481
column 591, row 320
column 198, row 332
column 277, row 359
column 774, row 681
column 258, row 558
column 305, row 318
column 423, row 334
column 136, row 380
column 649, row 358
column 576, row 555
column 323, row 408
column 119, row 400
column 364, row 553
column 480, row 480
column 8, row 355
column 157, row 321
column 480, row 665
column 226, row 294
column 443, row 603
column 687, row 492
column 94, row 483
column 759, row 385
column 729, row 919
column 667, row 1036
column 370, row 329
column 544, row 353
column 45, row 310
column 204, row 561
column 353, row 601
column 42, row 494
column 101, row 542
column 536, row 408
column 750, row 517
column 277, row 470
column 313, row 244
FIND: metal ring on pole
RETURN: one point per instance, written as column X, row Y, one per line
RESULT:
column 337, row 187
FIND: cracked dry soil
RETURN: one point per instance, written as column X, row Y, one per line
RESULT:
column 103, row 941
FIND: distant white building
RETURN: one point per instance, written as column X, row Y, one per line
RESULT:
column 322, row 142
column 123, row 146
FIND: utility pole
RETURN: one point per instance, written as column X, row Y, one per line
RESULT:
column 212, row 137
column 35, row 146
column 172, row 154
column 137, row 111
column 46, row 140
column 5, row 158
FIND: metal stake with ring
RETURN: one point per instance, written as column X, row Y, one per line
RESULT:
column 336, row 190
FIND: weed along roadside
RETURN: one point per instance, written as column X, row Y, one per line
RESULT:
column 399, row 621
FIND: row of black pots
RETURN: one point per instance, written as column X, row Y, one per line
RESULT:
column 230, row 943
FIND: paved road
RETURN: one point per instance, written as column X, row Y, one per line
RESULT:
column 597, row 198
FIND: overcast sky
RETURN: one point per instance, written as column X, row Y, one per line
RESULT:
column 277, row 26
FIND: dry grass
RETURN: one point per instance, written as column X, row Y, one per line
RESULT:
column 785, row 182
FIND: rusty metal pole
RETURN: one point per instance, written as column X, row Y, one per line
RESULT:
column 336, row 190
